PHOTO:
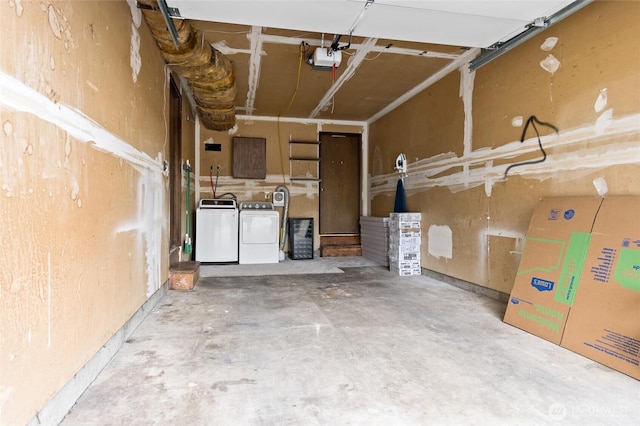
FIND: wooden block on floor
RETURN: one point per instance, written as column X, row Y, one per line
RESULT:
column 184, row 275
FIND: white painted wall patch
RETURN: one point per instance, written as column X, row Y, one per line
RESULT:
column 550, row 64
column 5, row 392
column 8, row 128
column 134, row 59
column 18, row 5
column 53, row 22
column 75, row 190
column 222, row 47
column 467, row 79
column 517, row 121
column 601, row 186
column 19, row 97
column 440, row 241
column 549, row 44
column 92, row 86
column 60, row 26
column 254, row 66
column 601, row 101
column 604, row 121
column 488, row 182
column 136, row 14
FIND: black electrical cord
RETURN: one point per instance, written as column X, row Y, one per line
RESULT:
column 303, row 47
column 533, row 120
column 335, row 44
column 229, row 194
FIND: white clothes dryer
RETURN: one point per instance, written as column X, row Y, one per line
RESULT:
column 259, row 233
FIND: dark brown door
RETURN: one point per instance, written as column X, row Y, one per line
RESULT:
column 175, row 148
column 340, row 183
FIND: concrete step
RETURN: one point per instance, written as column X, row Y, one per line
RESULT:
column 338, row 240
column 340, row 250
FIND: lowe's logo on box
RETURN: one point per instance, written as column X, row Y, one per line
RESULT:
column 569, row 214
column 541, row 285
column 627, row 242
column 554, row 214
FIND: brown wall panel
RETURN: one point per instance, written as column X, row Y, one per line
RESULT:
column 249, row 158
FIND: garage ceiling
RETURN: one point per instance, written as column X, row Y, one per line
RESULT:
column 398, row 48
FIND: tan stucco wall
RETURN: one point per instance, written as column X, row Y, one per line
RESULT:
column 83, row 199
column 456, row 172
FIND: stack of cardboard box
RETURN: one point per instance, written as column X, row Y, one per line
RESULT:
column 578, row 283
column 404, row 243
column 374, row 239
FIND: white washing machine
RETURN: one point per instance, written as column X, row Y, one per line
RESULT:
column 259, row 233
column 217, row 231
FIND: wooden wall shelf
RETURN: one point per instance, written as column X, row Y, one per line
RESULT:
column 301, row 156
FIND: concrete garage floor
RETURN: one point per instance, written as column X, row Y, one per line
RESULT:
column 363, row 347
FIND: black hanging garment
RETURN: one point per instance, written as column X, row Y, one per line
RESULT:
column 400, row 205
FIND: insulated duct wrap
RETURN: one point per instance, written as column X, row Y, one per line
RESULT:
column 208, row 72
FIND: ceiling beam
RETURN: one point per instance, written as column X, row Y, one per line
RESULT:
column 254, row 67
column 353, row 64
column 221, row 46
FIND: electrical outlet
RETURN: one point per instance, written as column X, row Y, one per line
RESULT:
column 267, row 195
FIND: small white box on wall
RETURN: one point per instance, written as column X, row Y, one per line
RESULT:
column 278, row 198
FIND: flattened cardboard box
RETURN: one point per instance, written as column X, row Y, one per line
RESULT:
column 604, row 323
column 551, row 264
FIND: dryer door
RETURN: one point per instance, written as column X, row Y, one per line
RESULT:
column 260, row 228
column 259, row 237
